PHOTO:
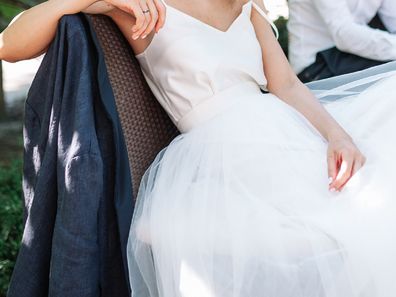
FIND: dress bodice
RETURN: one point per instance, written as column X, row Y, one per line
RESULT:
column 189, row 61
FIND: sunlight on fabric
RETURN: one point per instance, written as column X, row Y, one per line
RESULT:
column 346, row 89
column 371, row 199
column 191, row 285
column 142, row 232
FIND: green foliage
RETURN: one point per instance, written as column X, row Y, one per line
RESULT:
column 281, row 24
column 7, row 12
column 10, row 8
column 11, row 219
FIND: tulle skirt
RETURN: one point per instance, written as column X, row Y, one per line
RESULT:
column 239, row 206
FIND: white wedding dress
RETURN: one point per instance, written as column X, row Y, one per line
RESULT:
column 238, row 204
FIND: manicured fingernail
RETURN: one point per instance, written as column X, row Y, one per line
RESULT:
column 330, row 180
column 135, row 37
column 332, row 190
column 144, row 36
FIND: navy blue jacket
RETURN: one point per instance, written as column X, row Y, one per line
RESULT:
column 76, row 176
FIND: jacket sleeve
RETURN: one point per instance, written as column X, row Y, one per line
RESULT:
column 352, row 37
column 76, row 236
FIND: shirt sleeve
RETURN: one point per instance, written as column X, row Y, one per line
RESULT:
column 387, row 13
column 351, row 37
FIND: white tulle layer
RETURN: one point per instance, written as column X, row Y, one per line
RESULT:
column 239, row 206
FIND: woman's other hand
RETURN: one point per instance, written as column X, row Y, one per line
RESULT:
column 149, row 15
column 344, row 160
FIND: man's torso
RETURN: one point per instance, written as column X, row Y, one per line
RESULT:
column 308, row 33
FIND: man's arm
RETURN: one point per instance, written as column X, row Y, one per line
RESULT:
column 387, row 13
column 354, row 38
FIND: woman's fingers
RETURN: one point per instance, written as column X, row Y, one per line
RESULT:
column 143, row 20
column 140, row 19
column 161, row 14
column 357, row 165
column 149, row 14
column 344, row 160
column 345, row 171
column 153, row 18
column 331, row 167
column 349, row 166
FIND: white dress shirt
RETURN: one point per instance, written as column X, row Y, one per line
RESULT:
column 316, row 25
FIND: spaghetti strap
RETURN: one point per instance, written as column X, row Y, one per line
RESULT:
column 265, row 16
column 257, row 7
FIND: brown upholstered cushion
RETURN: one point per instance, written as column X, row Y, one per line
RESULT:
column 147, row 128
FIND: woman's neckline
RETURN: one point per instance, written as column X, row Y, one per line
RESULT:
column 205, row 23
column 200, row 22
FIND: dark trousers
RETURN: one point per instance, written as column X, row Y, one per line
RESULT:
column 332, row 62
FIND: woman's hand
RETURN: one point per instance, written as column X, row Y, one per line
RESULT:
column 344, row 160
column 99, row 7
column 154, row 17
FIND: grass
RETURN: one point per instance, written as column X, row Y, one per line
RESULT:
column 11, row 219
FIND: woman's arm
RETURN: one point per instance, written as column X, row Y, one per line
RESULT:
column 29, row 33
column 344, row 158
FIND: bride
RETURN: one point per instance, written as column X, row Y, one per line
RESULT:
column 267, row 191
